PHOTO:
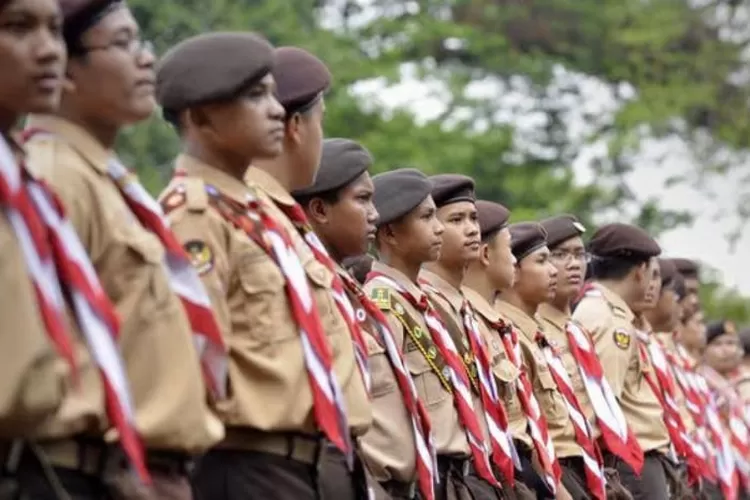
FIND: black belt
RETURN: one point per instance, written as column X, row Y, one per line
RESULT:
column 397, row 489
column 169, row 462
column 461, row 466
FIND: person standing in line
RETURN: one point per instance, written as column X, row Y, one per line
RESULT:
column 397, row 450
column 689, row 270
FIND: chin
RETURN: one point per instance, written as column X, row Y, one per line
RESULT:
column 43, row 104
column 140, row 111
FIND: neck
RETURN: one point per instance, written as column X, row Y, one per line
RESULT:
column 332, row 252
column 279, row 168
column 105, row 134
column 562, row 304
column 454, row 276
column 621, row 288
column 405, row 267
column 232, row 166
column 7, row 122
column 513, row 298
column 476, row 279
column 695, row 352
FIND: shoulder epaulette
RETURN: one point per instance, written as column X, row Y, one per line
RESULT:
column 196, row 194
column 381, row 297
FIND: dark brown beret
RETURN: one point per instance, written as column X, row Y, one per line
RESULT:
column 526, row 238
column 492, row 217
column 342, row 161
column 686, row 267
column 399, row 192
column 668, row 271
column 745, row 339
column 301, row 78
column 80, row 15
column 452, row 188
column 211, row 67
column 716, row 329
column 561, row 228
column 623, row 240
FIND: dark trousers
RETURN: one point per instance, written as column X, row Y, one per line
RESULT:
column 249, row 475
column 528, row 475
column 650, row 485
column 574, row 477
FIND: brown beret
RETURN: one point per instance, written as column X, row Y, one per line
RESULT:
column 561, row 228
column 745, row 339
column 398, row 192
column 80, row 15
column 492, row 217
column 686, row 267
column 668, row 271
column 623, row 240
column 342, row 161
column 716, row 329
column 301, row 78
column 452, row 188
column 526, row 238
column 211, row 67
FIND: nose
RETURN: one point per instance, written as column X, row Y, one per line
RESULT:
column 473, row 228
column 145, row 55
column 372, row 214
column 439, row 227
column 50, row 48
column 552, row 270
column 276, row 110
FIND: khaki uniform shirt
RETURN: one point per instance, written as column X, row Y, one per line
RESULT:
column 504, row 370
column 388, row 448
column 554, row 323
column 448, row 304
column 610, row 321
column 449, row 434
column 155, row 336
column 268, row 381
column 550, row 399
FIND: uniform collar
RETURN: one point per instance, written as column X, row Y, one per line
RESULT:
column 452, row 295
column 520, row 319
column 228, row 185
column 79, row 139
column 480, row 305
column 260, row 179
column 553, row 315
column 399, row 278
column 615, row 301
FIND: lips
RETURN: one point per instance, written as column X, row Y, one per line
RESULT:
column 48, row 80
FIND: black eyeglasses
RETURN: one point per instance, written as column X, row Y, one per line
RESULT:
column 132, row 46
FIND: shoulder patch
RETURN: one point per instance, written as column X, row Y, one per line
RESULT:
column 173, row 200
column 200, row 255
column 381, row 297
column 195, row 194
column 622, row 338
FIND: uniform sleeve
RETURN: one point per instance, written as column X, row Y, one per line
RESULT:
column 596, row 317
column 205, row 238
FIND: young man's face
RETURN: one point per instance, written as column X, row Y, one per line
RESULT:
column 693, row 332
column 461, row 239
column 569, row 258
column 500, row 260
column 418, row 237
column 304, row 144
column 347, row 225
column 536, row 278
column 648, row 286
column 722, row 353
column 691, row 301
column 667, row 311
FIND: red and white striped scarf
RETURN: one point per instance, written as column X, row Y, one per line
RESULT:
column 662, row 384
column 504, row 453
column 538, row 429
column 425, row 447
column 297, row 215
column 58, row 265
column 617, row 435
column 329, row 407
column 592, row 458
column 460, row 381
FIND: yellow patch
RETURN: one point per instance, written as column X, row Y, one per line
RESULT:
column 200, row 256
column 381, row 297
column 622, row 339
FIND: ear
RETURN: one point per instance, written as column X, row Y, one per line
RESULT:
column 293, row 130
column 68, row 84
column 484, row 254
column 317, row 210
column 387, row 235
column 640, row 273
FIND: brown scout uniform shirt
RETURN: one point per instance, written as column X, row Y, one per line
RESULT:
column 610, row 321
column 388, row 446
column 552, row 402
column 505, row 371
column 450, row 436
column 269, row 386
column 155, row 336
column 554, row 323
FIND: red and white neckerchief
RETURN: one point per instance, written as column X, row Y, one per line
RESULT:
column 329, row 408
column 423, row 440
column 591, row 455
column 662, row 384
column 460, row 381
column 183, row 279
column 726, row 468
column 538, row 429
column 504, row 453
column 617, row 435
column 701, row 446
column 297, row 215
column 58, row 265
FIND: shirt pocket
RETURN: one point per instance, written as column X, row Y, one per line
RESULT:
column 261, row 312
column 138, row 271
column 381, row 373
column 506, row 375
column 549, row 397
column 428, row 384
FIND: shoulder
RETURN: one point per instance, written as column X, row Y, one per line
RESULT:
column 50, row 156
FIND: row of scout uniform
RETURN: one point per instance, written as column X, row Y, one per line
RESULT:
column 440, row 375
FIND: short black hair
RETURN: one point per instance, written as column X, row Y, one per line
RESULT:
column 331, row 196
column 614, row 268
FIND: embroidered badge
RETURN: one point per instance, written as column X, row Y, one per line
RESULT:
column 200, row 256
column 622, row 338
column 174, row 200
column 382, row 298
